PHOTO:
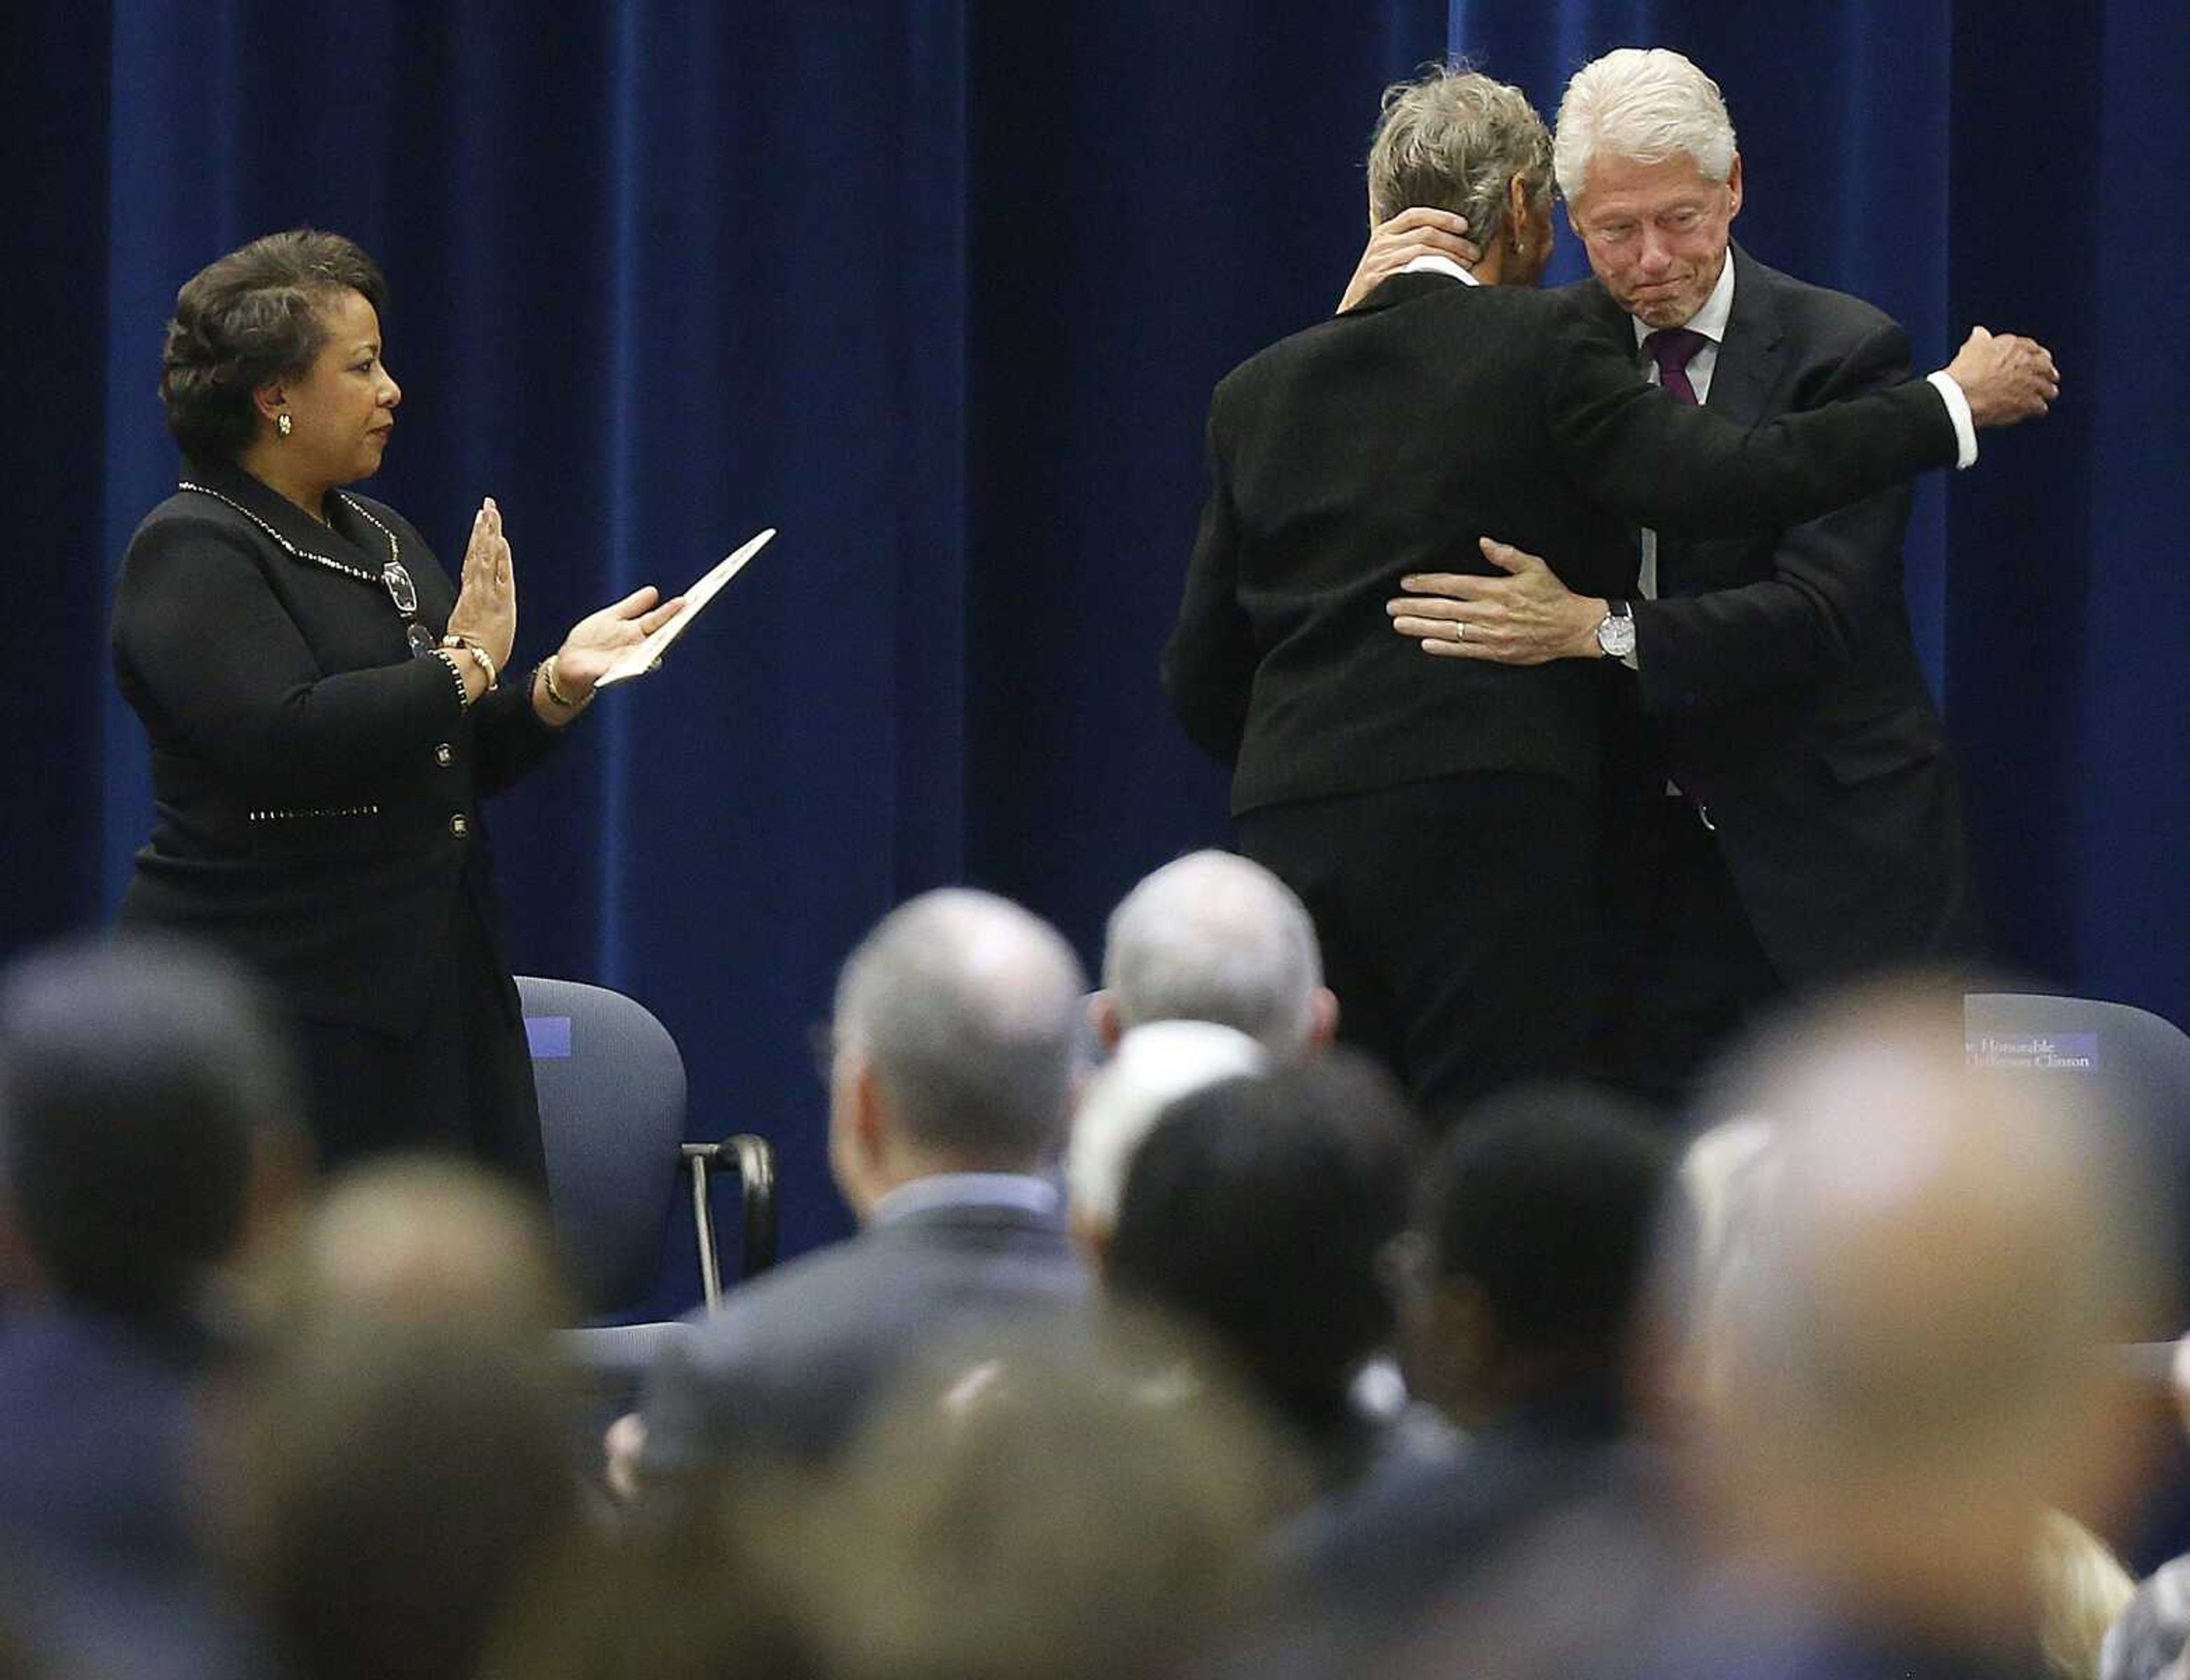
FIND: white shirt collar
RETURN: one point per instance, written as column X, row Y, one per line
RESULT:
column 1711, row 320
column 1436, row 262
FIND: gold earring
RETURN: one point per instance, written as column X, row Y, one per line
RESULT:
column 281, row 425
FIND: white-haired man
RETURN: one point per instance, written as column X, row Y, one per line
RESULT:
column 1793, row 815
column 1441, row 833
column 1213, row 936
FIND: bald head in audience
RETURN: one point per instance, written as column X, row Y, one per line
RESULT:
column 424, row 1240
column 398, row 1459
column 1912, row 1354
column 1038, row 1503
column 1213, row 936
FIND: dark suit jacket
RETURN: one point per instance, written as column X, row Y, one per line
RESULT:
column 1783, row 672
column 1414, row 1533
column 97, row 1415
column 792, row 1361
column 311, row 777
column 102, row 1536
column 1386, row 441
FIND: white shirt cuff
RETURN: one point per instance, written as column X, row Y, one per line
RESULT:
column 1958, row 410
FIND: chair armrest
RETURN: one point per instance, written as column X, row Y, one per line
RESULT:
column 753, row 1159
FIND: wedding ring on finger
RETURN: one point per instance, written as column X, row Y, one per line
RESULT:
column 1459, row 631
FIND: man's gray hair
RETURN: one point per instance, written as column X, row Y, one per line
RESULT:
column 1213, row 936
column 1451, row 139
column 968, row 1008
column 1645, row 105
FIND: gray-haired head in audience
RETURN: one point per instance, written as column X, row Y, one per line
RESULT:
column 1215, row 937
column 955, row 1042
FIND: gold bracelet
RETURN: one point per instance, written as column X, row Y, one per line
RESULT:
column 547, row 682
column 466, row 644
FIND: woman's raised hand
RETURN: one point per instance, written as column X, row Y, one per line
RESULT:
column 487, row 598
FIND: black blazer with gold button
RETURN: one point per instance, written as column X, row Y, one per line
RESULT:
column 317, row 786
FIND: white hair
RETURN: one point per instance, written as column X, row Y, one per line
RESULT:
column 1214, row 937
column 1645, row 105
column 1154, row 1067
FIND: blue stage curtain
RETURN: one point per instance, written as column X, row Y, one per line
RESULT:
column 940, row 289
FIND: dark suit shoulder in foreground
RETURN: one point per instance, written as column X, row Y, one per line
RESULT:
column 792, row 1361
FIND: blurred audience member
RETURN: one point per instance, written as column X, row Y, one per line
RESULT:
column 1911, row 1353
column 1256, row 1213
column 2082, row 1588
column 2149, row 1634
column 1150, row 1067
column 398, row 1460
column 727, row 1585
column 1723, row 1175
column 146, row 1106
column 1215, row 937
column 1520, row 1281
column 1041, row 1508
column 953, row 1062
column 424, row 1240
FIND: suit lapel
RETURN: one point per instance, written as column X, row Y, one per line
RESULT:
column 1750, row 356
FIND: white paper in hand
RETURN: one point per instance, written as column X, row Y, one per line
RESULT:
column 636, row 660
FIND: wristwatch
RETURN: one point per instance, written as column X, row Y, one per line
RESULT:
column 1615, row 631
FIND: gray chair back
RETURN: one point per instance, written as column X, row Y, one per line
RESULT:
column 2144, row 1060
column 612, row 1110
column 2144, row 1057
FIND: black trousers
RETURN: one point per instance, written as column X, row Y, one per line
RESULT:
column 1689, row 974
column 462, row 1086
column 1456, row 919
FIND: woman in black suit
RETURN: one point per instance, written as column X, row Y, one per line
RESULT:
column 326, row 711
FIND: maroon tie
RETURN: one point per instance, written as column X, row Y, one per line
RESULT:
column 1673, row 348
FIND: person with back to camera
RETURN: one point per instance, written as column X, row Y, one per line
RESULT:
column 1442, row 834
column 326, row 711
